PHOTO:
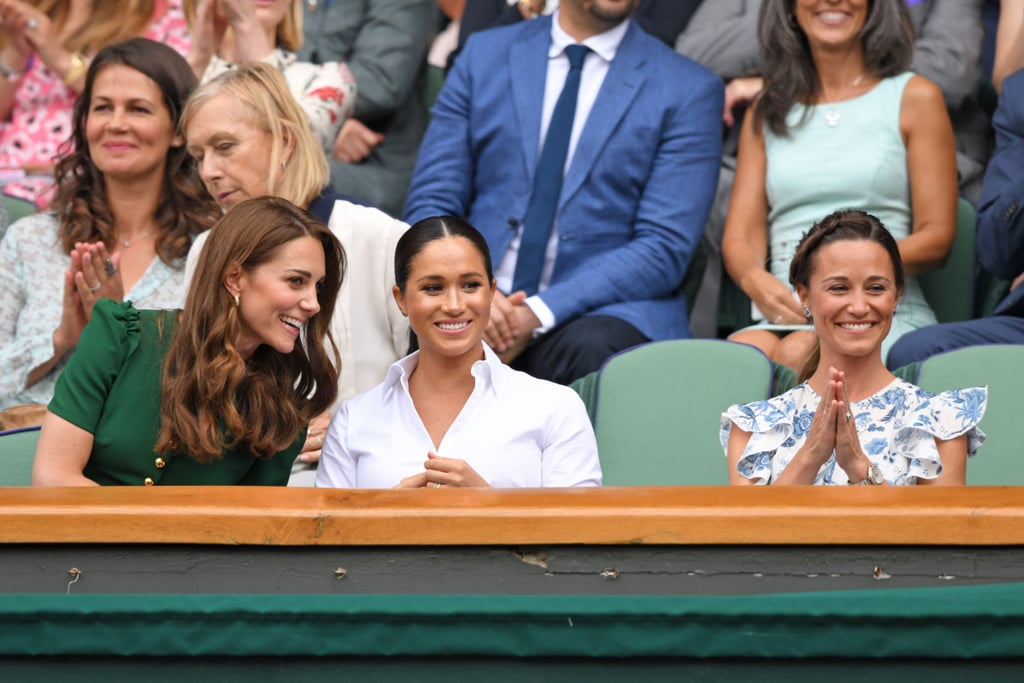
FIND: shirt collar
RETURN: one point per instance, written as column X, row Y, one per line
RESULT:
column 490, row 371
column 603, row 44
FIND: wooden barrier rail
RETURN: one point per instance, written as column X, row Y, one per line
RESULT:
column 924, row 516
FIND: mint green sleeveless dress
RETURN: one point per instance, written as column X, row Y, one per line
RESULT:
column 858, row 163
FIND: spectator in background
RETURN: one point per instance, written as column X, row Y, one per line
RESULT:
column 384, row 43
column 219, row 393
column 722, row 35
column 593, row 235
column 1000, row 243
column 128, row 204
column 230, row 32
column 840, row 123
column 663, row 19
column 45, row 49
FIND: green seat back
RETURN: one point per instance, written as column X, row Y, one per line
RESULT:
column 17, row 451
column 1000, row 460
column 950, row 289
column 659, row 407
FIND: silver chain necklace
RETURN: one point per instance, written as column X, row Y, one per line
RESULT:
column 832, row 115
column 128, row 243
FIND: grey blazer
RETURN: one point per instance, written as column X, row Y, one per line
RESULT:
column 384, row 43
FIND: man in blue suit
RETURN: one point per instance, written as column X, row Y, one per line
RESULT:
column 1000, row 243
column 638, row 181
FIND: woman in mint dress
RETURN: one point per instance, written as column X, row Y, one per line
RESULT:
column 220, row 393
column 840, row 123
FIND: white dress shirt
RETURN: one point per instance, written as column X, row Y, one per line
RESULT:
column 514, row 431
column 603, row 47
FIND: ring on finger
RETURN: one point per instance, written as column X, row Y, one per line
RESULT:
column 437, row 484
column 109, row 266
column 848, row 415
column 95, row 287
column 33, row 24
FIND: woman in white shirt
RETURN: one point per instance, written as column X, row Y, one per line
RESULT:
column 452, row 414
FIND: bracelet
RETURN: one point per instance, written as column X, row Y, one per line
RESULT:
column 10, row 73
column 77, row 66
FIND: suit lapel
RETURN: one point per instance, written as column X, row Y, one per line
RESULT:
column 529, row 72
column 620, row 88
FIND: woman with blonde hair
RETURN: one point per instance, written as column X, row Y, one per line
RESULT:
column 219, row 393
column 249, row 139
column 230, row 33
column 45, row 50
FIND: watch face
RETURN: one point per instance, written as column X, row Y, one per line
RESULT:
column 875, row 475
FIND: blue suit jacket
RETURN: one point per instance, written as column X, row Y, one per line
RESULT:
column 638, row 189
column 1000, row 240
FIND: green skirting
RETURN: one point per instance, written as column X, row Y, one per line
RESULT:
column 942, row 623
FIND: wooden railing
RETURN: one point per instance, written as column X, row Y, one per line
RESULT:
column 610, row 516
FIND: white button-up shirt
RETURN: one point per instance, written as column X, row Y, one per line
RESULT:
column 514, row 431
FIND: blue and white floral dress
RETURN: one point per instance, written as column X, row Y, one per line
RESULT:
column 897, row 427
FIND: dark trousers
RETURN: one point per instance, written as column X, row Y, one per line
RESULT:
column 577, row 348
column 926, row 342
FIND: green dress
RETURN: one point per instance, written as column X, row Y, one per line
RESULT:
column 111, row 389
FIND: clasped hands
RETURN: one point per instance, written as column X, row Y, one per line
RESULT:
column 94, row 274
column 443, row 472
column 834, row 428
column 511, row 326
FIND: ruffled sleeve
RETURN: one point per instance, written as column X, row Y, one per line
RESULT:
column 772, row 424
column 943, row 416
column 109, row 339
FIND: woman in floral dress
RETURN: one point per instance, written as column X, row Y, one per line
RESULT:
column 851, row 421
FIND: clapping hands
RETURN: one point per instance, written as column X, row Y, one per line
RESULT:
column 93, row 275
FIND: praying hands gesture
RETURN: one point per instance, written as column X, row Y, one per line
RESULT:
column 834, row 429
column 443, row 472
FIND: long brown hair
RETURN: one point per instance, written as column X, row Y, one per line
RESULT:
column 790, row 75
column 185, row 208
column 213, row 398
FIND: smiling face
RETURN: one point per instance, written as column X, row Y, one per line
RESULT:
column 232, row 153
column 831, row 23
column 128, row 127
column 278, row 297
column 447, row 297
column 851, row 294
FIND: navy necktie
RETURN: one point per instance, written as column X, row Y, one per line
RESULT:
column 547, row 184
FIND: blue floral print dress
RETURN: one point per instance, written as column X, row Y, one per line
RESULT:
column 897, row 427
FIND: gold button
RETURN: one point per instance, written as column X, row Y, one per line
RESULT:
column 160, row 462
column 147, row 481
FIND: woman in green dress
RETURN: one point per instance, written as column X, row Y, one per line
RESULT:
column 220, row 393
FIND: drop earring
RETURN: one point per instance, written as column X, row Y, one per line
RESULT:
column 237, row 297
column 807, row 314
